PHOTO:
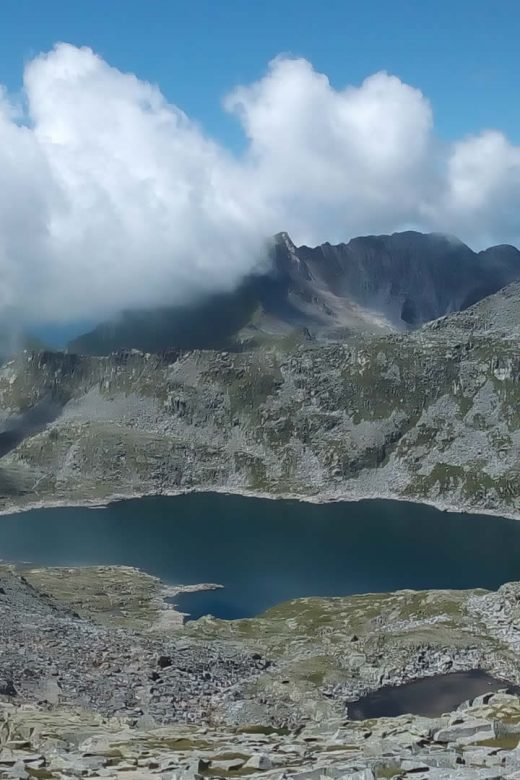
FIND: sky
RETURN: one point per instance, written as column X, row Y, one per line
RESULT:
column 149, row 147
column 463, row 54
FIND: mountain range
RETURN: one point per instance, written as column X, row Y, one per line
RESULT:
column 429, row 414
column 376, row 284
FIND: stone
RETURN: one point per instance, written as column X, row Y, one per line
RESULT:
column 49, row 690
column 409, row 765
column 164, row 661
column 7, row 687
column 198, row 765
column 483, row 756
column 227, row 765
column 259, row 761
column 466, row 732
column 19, row 772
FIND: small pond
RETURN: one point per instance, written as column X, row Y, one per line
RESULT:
column 430, row 697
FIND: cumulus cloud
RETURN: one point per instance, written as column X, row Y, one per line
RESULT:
column 112, row 198
column 482, row 189
column 351, row 160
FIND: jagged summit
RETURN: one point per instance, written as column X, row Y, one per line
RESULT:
column 376, row 283
column 284, row 238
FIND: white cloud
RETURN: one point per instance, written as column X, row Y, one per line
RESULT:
column 482, row 190
column 355, row 160
column 111, row 198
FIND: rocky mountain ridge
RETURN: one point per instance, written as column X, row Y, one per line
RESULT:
column 396, row 281
column 374, row 284
column 430, row 415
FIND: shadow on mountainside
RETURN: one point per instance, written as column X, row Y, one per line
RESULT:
column 32, row 421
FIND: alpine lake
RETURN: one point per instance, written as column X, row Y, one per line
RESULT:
column 266, row 551
column 263, row 552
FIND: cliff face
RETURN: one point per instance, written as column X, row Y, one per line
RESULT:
column 373, row 284
column 401, row 281
column 431, row 415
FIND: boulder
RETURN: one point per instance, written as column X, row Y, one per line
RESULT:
column 259, row 761
column 164, row 661
column 7, row 687
column 227, row 764
column 466, row 732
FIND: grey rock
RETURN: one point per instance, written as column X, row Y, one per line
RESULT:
column 227, row 765
column 466, row 732
column 7, row 687
column 362, row 774
column 259, row 761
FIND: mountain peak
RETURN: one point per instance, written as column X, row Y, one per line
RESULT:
column 373, row 283
column 284, row 239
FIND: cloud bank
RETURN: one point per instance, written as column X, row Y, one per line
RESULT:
column 112, row 198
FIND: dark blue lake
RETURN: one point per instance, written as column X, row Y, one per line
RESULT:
column 265, row 552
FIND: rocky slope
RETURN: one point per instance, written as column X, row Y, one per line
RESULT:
column 372, row 284
column 94, row 682
column 497, row 314
column 397, row 281
column 431, row 416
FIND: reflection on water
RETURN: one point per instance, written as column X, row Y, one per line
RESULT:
column 265, row 552
column 430, row 697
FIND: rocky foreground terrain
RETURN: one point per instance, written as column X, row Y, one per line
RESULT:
column 98, row 678
column 431, row 416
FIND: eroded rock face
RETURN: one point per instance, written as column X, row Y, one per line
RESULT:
column 403, row 279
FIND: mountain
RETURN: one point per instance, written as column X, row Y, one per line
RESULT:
column 372, row 284
column 400, row 281
column 429, row 415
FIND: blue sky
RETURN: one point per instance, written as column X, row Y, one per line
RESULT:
column 462, row 54
column 104, row 182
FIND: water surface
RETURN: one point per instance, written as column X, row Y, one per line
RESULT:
column 430, row 697
column 265, row 551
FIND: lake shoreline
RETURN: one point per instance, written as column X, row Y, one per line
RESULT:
column 91, row 503
column 264, row 552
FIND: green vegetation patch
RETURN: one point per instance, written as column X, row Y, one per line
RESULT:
column 110, row 595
